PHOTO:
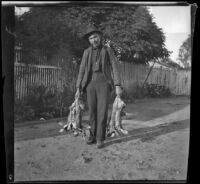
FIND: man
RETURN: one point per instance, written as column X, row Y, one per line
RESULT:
column 97, row 75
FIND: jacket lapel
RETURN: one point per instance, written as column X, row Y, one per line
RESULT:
column 89, row 58
column 103, row 60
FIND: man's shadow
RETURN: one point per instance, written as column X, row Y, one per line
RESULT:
column 148, row 134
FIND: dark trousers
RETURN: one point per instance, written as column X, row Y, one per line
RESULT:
column 98, row 97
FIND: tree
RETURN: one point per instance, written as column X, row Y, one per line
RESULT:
column 185, row 53
column 48, row 32
column 128, row 29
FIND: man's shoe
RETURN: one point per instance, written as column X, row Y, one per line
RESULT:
column 91, row 141
column 100, row 144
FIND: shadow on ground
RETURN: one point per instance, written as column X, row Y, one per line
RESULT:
column 148, row 134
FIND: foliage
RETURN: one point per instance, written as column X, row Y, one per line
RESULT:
column 148, row 90
column 154, row 90
column 130, row 30
column 127, row 97
column 64, row 100
column 185, row 52
column 69, row 73
column 48, row 33
column 43, row 102
column 22, row 111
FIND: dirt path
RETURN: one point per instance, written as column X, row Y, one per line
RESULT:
column 156, row 147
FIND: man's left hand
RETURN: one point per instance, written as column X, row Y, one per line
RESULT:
column 118, row 90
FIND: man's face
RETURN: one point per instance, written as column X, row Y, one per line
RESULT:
column 95, row 40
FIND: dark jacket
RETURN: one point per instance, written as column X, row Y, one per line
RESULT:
column 109, row 68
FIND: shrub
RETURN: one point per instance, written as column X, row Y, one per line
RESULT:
column 43, row 102
column 64, row 100
column 154, row 90
column 22, row 111
column 148, row 90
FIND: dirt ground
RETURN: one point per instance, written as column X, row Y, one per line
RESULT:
column 155, row 149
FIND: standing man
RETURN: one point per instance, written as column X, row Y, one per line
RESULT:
column 97, row 76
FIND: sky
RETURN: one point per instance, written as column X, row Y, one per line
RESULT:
column 173, row 20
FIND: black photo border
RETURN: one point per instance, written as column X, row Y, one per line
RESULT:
column 8, row 40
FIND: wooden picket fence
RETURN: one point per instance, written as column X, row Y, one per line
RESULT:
column 178, row 81
column 26, row 76
column 132, row 76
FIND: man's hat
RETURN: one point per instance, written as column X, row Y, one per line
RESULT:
column 91, row 29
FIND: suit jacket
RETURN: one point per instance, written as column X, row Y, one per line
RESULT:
column 109, row 68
